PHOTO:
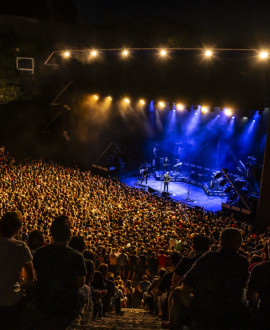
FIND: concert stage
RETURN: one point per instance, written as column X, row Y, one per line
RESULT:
column 180, row 189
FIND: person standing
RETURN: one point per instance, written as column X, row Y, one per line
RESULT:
column 15, row 256
column 61, row 274
column 167, row 179
column 145, row 175
column 216, row 281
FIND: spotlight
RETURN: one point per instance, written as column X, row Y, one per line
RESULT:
column 109, row 98
column 94, row 53
column 163, row 52
column 161, row 104
column 142, row 102
column 228, row 112
column 245, row 118
column 204, row 109
column 263, row 55
column 66, row 54
column 96, row 97
column 125, row 53
column 126, row 100
column 208, row 53
column 179, row 106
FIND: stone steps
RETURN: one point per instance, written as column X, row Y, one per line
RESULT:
column 138, row 319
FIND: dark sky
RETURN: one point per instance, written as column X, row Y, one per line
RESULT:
column 246, row 21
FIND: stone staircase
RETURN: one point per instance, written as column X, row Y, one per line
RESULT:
column 138, row 319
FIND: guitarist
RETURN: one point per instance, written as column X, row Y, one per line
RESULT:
column 145, row 175
column 167, row 179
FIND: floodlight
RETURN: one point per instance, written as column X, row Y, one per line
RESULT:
column 264, row 55
column 228, row 112
column 179, row 106
column 163, row 52
column 161, row 104
column 142, row 102
column 94, row 53
column 125, row 53
column 66, row 54
column 208, row 53
column 204, row 109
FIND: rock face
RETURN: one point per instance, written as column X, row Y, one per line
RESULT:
column 131, row 319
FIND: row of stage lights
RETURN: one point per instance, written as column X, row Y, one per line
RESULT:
column 162, row 105
column 125, row 53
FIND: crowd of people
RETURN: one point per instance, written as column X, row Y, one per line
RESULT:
column 81, row 237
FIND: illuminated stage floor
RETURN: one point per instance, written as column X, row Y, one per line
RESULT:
column 179, row 192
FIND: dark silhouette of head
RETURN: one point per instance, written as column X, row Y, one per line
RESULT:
column 10, row 224
column 60, row 229
column 231, row 238
column 200, row 243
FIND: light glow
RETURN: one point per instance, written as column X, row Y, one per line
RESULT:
column 228, row 112
column 96, row 97
column 264, row 55
column 208, row 53
column 163, row 52
column 179, row 106
column 66, row 54
column 126, row 100
column 142, row 102
column 161, row 104
column 94, row 53
column 204, row 109
column 109, row 98
column 125, row 53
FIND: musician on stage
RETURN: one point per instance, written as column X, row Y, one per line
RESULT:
column 167, row 179
column 145, row 175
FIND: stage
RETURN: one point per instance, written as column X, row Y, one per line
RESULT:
column 179, row 191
